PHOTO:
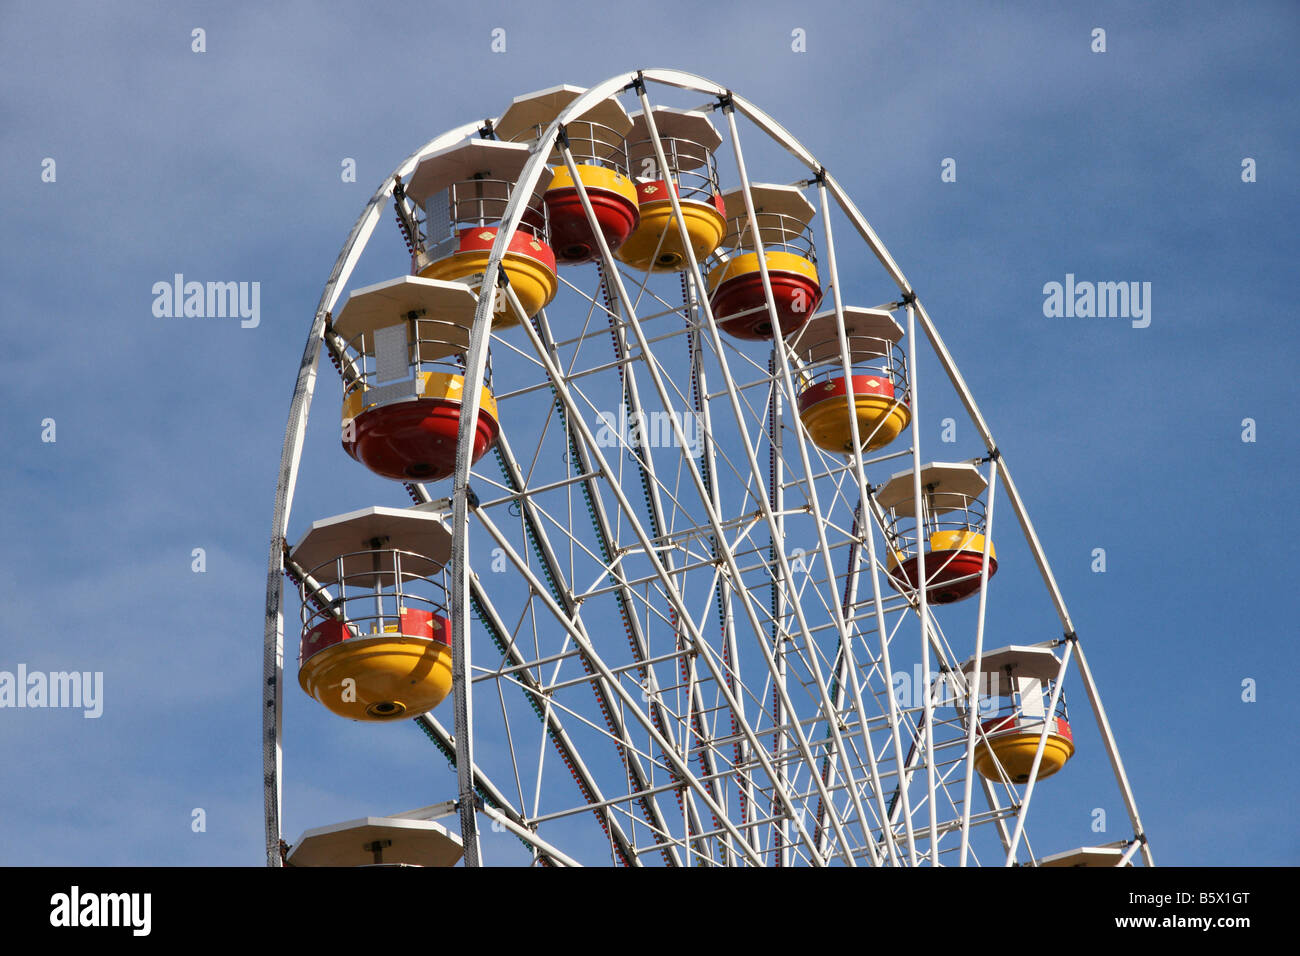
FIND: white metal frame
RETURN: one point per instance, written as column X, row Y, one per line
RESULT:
column 857, row 819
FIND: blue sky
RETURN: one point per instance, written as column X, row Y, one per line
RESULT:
column 1116, row 166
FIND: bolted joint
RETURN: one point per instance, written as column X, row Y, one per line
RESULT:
column 726, row 102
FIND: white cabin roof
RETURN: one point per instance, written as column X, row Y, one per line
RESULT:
column 1085, row 856
column 870, row 332
column 946, row 478
column 1035, row 662
column 468, row 160
column 541, row 107
column 689, row 125
column 445, row 310
column 401, row 529
column 411, row 842
column 770, row 201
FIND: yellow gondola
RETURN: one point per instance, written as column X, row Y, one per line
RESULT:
column 598, row 147
column 878, row 372
column 688, row 140
column 403, row 347
column 1022, row 677
column 464, row 190
column 784, row 240
column 376, row 637
column 951, row 525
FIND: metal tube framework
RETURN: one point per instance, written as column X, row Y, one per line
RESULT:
column 467, row 594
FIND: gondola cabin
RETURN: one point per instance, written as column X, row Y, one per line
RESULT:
column 875, row 393
column 1021, row 678
column 464, row 191
column 403, row 344
column 950, row 530
column 1088, row 856
column 376, row 636
column 689, row 140
column 782, row 242
column 598, row 146
column 378, row 841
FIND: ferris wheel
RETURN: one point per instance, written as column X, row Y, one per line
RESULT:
column 677, row 582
